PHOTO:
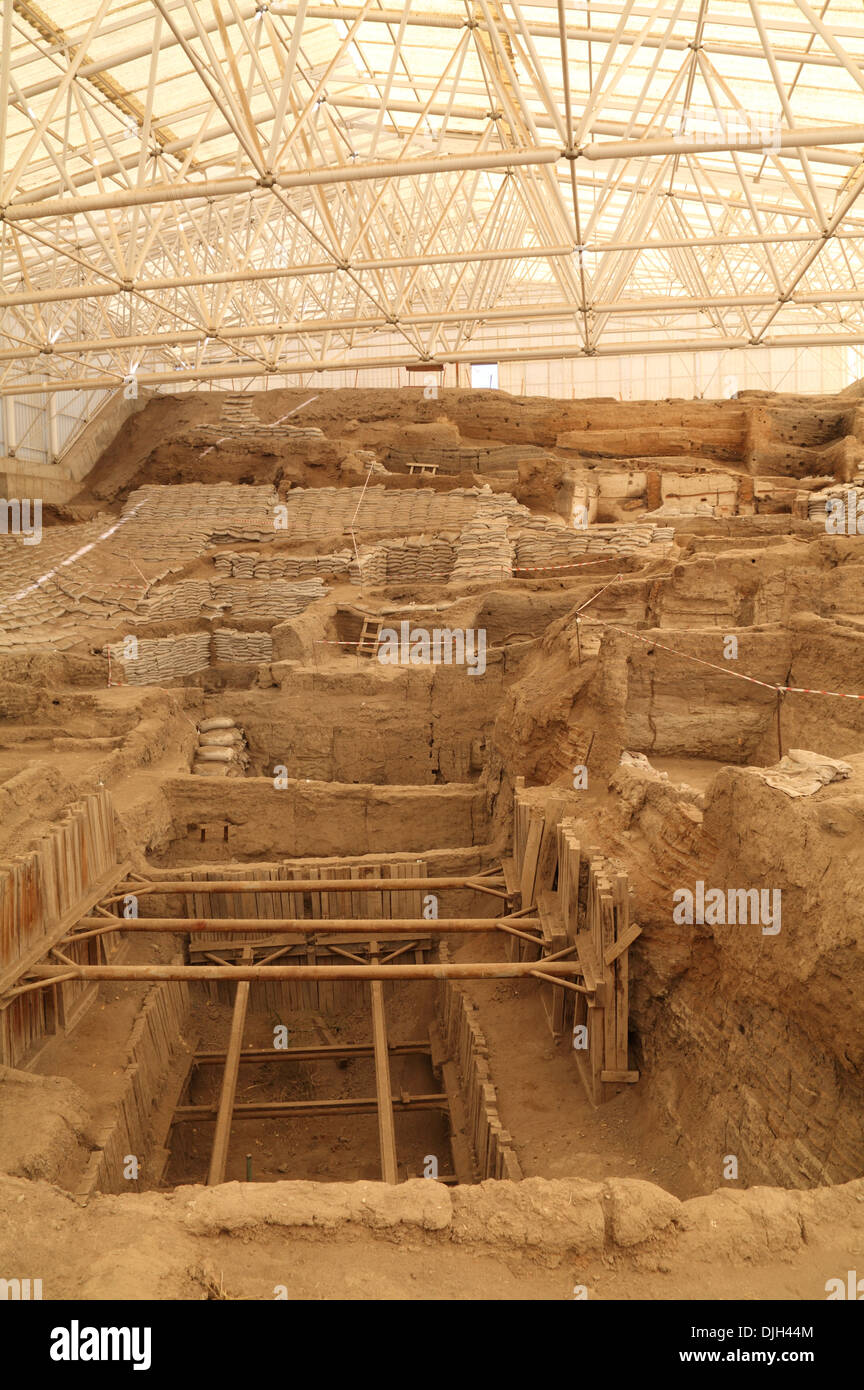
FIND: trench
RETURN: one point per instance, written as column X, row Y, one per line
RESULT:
column 338, row 765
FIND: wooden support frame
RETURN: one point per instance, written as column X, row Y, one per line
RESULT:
column 38, row 949
column 590, row 909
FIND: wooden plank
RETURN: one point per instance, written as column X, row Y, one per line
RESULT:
column 548, row 905
column 607, row 938
column 619, row 1076
column 548, row 859
column 596, row 1047
column 622, row 944
column 460, row 1149
column 590, row 967
column 620, row 966
column 533, row 841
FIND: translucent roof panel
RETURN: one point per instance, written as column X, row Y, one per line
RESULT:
column 210, row 187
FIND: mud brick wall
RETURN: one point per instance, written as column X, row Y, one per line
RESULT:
column 321, row 818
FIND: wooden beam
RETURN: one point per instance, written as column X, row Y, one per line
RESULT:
column 409, row 926
column 323, row 1053
column 264, row 1110
column 383, row 1083
column 299, row 885
column 453, row 970
column 622, row 944
column 219, row 1155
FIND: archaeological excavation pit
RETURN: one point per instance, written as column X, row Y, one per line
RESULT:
column 311, row 894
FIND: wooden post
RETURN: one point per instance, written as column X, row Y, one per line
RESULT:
column 219, row 1155
column 621, row 971
column 383, row 1083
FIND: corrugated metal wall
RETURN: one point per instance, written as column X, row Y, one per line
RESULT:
column 26, row 422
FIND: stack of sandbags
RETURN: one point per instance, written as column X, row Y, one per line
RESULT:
column 172, row 524
column 483, row 551
column 222, row 749
column 540, row 544
column 238, row 418
column 238, row 411
column 301, row 566
column 817, row 502
column 239, row 566
column 372, row 567
column 276, row 600
column 622, row 538
column 187, row 600
column 247, row 648
column 322, row 511
column 160, row 659
column 419, row 560
column 234, row 566
column 298, row 431
column 197, row 598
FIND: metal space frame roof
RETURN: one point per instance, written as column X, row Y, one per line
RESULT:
column 212, row 189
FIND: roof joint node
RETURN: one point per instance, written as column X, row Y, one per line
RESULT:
column 267, row 179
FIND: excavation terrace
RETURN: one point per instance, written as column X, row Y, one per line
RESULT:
column 395, row 796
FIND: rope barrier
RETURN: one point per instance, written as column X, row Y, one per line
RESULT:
column 738, row 675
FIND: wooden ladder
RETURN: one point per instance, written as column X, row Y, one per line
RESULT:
column 369, row 637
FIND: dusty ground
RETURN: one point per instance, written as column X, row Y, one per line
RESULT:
column 619, row 1239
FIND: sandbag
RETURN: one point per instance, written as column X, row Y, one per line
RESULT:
column 208, row 725
column 211, row 769
column 220, row 740
column 215, row 755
